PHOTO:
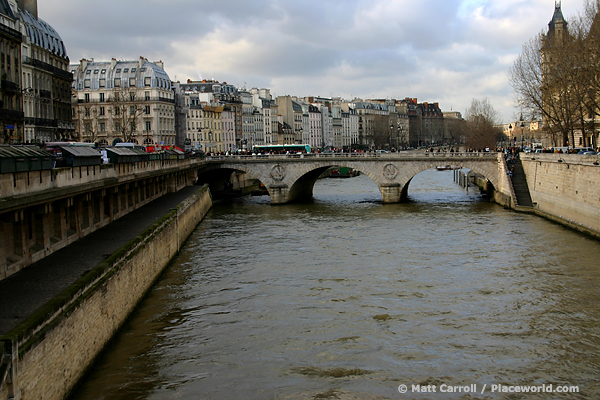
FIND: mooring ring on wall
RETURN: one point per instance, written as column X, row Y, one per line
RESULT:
column 390, row 171
column 278, row 172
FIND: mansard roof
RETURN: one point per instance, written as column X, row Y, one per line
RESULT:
column 370, row 106
column 6, row 10
column 109, row 70
column 209, row 86
column 42, row 34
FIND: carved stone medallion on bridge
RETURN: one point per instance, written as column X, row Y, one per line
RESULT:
column 278, row 172
column 390, row 171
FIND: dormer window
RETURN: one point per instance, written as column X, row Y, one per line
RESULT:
column 126, row 70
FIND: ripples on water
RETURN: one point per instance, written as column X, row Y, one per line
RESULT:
column 347, row 298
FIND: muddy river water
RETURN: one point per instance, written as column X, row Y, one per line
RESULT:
column 347, row 298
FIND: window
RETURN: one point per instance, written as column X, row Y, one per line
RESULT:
column 96, row 71
column 147, row 96
column 102, row 97
column 87, row 97
column 147, row 81
column 117, row 111
column 131, row 96
column 131, row 82
column 102, row 82
column 103, row 71
column 118, row 70
column 86, row 83
column 101, row 111
column 87, row 111
column 132, row 69
column 102, row 127
column 147, row 110
column 126, row 70
column 117, row 82
column 131, row 110
column 148, row 125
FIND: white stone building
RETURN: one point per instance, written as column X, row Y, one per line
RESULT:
column 123, row 101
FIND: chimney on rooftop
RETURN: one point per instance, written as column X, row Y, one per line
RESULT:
column 30, row 6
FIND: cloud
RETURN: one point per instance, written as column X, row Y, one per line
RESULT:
column 449, row 51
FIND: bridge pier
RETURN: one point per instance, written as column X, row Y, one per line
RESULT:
column 391, row 192
column 279, row 194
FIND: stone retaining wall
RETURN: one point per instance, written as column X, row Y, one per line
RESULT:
column 45, row 356
column 564, row 188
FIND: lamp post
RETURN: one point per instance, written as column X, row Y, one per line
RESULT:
column 401, row 134
column 522, row 133
column 391, row 130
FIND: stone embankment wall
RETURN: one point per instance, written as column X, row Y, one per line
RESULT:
column 565, row 188
column 504, row 194
column 44, row 357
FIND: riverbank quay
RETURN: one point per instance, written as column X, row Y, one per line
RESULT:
column 57, row 314
column 565, row 188
column 562, row 188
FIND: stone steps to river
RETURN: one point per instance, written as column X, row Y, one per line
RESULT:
column 520, row 185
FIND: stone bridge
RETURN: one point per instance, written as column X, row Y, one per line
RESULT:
column 292, row 177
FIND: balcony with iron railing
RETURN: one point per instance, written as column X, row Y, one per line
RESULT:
column 41, row 122
column 9, row 86
column 47, row 67
column 136, row 101
column 11, row 32
column 12, row 114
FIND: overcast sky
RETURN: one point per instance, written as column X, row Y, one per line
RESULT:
column 446, row 51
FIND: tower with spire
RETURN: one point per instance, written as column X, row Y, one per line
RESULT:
column 557, row 27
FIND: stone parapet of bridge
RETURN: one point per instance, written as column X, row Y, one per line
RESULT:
column 292, row 176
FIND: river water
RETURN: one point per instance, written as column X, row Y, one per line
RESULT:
column 347, row 298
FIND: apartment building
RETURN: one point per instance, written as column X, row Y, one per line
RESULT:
column 123, row 101
column 45, row 77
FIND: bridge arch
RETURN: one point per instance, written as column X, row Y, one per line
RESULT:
column 488, row 171
column 289, row 178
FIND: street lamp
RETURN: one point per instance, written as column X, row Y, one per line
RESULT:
column 401, row 134
column 391, row 130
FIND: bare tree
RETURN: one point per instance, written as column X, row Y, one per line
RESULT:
column 481, row 129
column 557, row 77
column 585, row 30
column 126, row 110
column 379, row 131
column 87, row 123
